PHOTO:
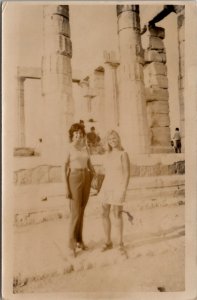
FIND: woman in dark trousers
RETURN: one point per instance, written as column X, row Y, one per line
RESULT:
column 78, row 175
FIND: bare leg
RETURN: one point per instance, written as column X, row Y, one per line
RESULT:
column 106, row 222
column 119, row 223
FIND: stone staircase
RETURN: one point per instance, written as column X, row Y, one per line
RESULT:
column 44, row 202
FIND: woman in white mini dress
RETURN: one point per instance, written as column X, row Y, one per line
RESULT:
column 113, row 191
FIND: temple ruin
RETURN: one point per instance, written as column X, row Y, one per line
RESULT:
column 128, row 92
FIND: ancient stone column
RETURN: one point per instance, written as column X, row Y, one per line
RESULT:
column 181, row 49
column 111, row 91
column 56, row 79
column 21, row 112
column 99, row 99
column 156, row 83
column 133, row 122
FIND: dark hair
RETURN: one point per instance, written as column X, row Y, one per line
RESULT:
column 75, row 127
column 177, row 129
column 92, row 128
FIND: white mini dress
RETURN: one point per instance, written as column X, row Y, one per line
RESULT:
column 113, row 184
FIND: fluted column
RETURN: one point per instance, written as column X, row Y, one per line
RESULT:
column 56, row 78
column 21, row 112
column 133, row 121
column 181, row 49
column 111, row 92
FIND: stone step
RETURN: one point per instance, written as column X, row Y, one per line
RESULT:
column 39, row 203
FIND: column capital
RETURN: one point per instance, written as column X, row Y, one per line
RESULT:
column 110, row 58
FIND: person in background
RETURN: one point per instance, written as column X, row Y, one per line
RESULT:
column 78, row 175
column 113, row 190
column 177, row 141
column 92, row 137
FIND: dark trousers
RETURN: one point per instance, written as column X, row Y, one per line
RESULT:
column 79, row 184
column 177, row 146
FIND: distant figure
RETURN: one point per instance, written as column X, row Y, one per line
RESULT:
column 81, row 122
column 92, row 137
column 177, row 141
column 113, row 190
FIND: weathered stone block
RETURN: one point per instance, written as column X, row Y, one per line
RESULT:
column 161, row 107
column 157, row 32
column 157, row 119
column 156, row 94
column 55, row 174
column 23, row 177
column 59, row 44
column 172, row 169
column 153, row 55
column 180, row 167
column 160, row 136
column 62, row 10
column 58, row 64
column 160, row 81
column 155, row 43
column 155, row 68
column 56, row 24
column 40, row 174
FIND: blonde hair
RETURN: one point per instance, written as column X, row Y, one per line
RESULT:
column 108, row 147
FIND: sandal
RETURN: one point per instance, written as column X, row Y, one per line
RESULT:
column 122, row 249
column 107, row 246
column 82, row 246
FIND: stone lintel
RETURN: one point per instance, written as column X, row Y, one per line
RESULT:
column 29, row 72
column 62, row 10
column 158, row 32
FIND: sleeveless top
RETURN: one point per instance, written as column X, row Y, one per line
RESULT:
column 77, row 158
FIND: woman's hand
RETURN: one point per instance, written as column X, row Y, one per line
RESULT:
column 68, row 194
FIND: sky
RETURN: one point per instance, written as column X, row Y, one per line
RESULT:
column 93, row 30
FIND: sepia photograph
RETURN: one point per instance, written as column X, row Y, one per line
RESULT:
column 99, row 150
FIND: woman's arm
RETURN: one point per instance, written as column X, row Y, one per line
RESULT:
column 90, row 166
column 66, row 170
column 126, row 169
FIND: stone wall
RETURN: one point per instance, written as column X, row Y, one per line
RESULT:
column 156, row 91
column 52, row 174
